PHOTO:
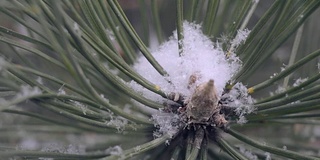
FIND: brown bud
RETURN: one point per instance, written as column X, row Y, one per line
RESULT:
column 203, row 103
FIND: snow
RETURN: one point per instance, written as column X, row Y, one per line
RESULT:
column 113, row 70
column 167, row 123
column 247, row 152
column 268, row 155
column 110, row 34
column 299, row 81
column 39, row 80
column 116, row 150
column 76, row 28
column 83, row 107
column 201, row 56
column 118, row 122
column 274, row 74
column 61, row 148
column 239, row 99
column 28, row 143
column 61, row 91
column 53, row 147
column 241, row 37
column 280, row 89
column 201, row 60
column 28, row 91
column 137, row 148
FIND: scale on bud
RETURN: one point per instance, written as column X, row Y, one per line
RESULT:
column 203, row 103
column 202, row 106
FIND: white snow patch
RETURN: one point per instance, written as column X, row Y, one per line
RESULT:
column 247, row 152
column 39, row 80
column 115, row 121
column 28, row 91
column 116, row 150
column 104, row 98
column 53, row 147
column 137, row 148
column 29, row 143
column 113, row 70
column 127, row 108
column 284, row 147
column 167, row 142
column 61, row 91
column 118, row 122
column 75, row 149
column 110, row 34
column 60, row 148
column 299, row 81
column 77, row 29
column 239, row 99
column 274, row 74
column 167, row 123
column 242, row 35
column 200, row 56
column 280, row 89
column 284, row 67
column 268, row 156
column 83, row 107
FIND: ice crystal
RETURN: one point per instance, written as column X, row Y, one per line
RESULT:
column 241, row 37
column 118, row 122
column 167, row 123
column 239, row 99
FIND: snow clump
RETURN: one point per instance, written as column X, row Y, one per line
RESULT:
column 28, row 91
column 299, row 81
column 247, row 152
column 200, row 56
column 239, row 99
column 168, row 123
column 116, row 150
column 242, row 35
